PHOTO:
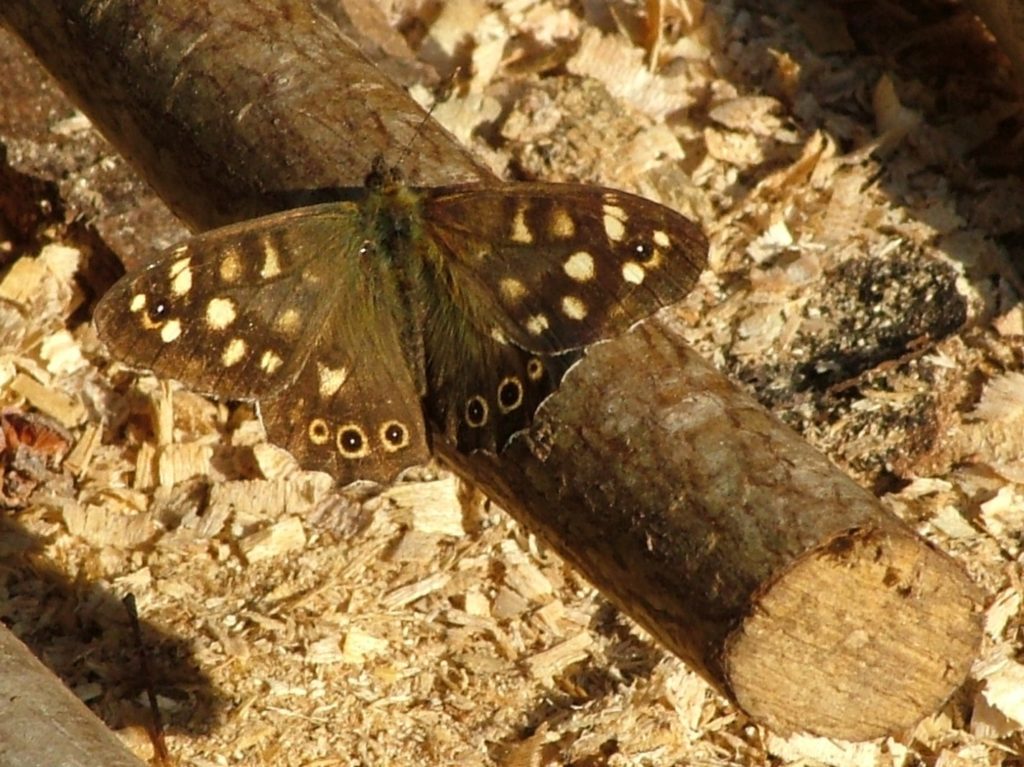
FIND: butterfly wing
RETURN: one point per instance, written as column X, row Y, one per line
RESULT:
column 482, row 392
column 226, row 312
column 286, row 310
column 536, row 272
column 564, row 265
column 354, row 410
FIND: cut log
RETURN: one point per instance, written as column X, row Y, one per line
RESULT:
column 42, row 723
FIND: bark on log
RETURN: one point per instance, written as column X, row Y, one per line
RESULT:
column 700, row 515
column 42, row 723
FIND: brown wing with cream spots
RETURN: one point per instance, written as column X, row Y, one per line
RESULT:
column 564, row 265
column 354, row 410
column 231, row 312
column 293, row 310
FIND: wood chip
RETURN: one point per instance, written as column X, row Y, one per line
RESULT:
column 281, row 538
column 65, row 408
column 550, row 663
column 360, row 645
column 408, row 594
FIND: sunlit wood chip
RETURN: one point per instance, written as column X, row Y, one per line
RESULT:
column 273, row 462
column 61, row 353
column 359, row 645
column 405, row 595
column 281, row 538
column 430, row 507
column 325, row 651
column 178, row 462
column 64, row 408
column 78, row 459
column 547, row 664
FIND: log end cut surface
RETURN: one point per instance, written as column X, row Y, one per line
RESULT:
column 866, row 661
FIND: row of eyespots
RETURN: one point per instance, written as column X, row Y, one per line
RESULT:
column 352, row 441
column 510, row 396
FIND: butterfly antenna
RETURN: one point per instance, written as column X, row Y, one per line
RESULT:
column 447, row 89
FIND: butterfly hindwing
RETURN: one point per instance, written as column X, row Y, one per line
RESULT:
column 353, row 411
column 484, row 392
column 564, row 265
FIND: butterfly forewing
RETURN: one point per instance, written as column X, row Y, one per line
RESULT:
column 564, row 265
column 235, row 311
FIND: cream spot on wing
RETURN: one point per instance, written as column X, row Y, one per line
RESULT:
column 499, row 335
column 580, row 266
column 234, row 352
column 287, row 322
column 271, row 260
column 661, row 239
column 520, row 229
column 331, row 379
column 614, row 222
column 574, row 308
column 181, row 276
column 220, row 313
column 231, row 266
column 633, row 272
column 170, row 331
column 138, row 303
column 561, row 224
column 511, row 289
column 270, row 362
column 537, row 324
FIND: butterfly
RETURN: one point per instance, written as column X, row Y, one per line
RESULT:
column 357, row 324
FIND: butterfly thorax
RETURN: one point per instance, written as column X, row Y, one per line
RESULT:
column 439, row 319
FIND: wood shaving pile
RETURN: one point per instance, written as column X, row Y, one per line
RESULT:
column 864, row 214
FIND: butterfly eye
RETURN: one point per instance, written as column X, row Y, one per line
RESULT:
column 647, row 252
column 352, row 441
column 510, row 394
column 476, row 411
column 394, row 436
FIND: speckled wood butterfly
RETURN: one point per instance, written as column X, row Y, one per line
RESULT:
column 356, row 323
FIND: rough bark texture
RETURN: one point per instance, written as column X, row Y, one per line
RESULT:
column 705, row 519
column 147, row 73
column 42, row 723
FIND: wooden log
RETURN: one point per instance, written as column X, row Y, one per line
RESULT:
column 42, row 723
column 713, row 525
